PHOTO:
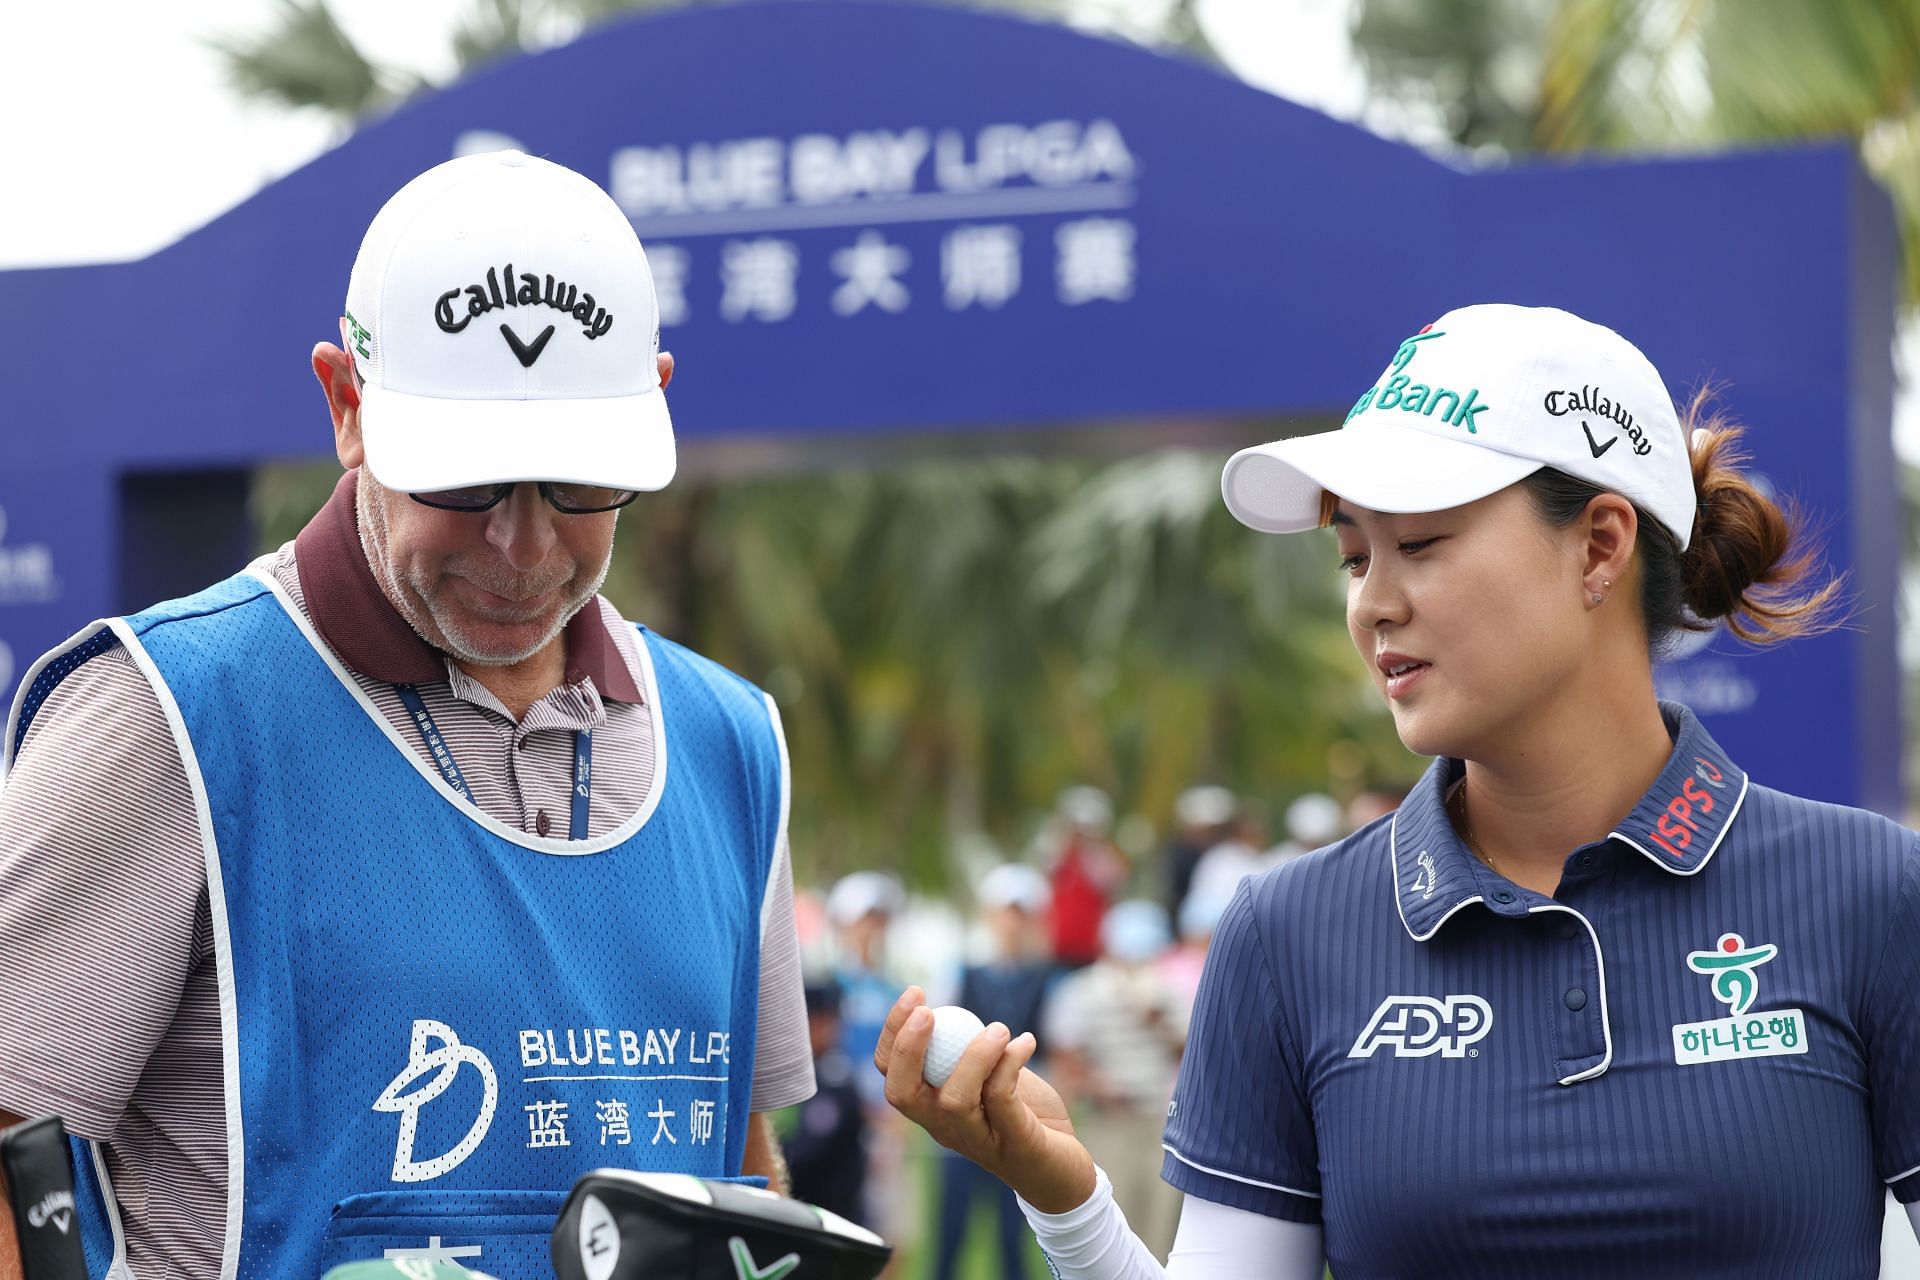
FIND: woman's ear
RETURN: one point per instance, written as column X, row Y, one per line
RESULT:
column 1612, row 527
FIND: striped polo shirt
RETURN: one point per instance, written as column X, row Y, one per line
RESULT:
column 1700, row 1058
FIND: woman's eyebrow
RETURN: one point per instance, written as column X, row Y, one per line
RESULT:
column 1341, row 517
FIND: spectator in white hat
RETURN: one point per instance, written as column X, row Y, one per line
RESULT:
column 1183, row 964
column 1202, row 816
column 860, row 907
column 1240, row 852
column 1313, row 821
column 1011, row 985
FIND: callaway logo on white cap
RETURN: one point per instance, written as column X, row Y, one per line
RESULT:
column 1478, row 400
column 503, row 318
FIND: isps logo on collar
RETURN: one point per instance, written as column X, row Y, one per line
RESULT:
column 1734, row 968
column 1677, row 825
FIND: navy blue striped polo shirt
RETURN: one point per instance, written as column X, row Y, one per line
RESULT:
column 1701, row 1058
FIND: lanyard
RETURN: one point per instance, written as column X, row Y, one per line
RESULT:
column 437, row 748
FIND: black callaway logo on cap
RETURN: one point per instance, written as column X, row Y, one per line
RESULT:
column 1592, row 400
column 533, row 291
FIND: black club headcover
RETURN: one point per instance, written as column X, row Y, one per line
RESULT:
column 619, row 1225
column 39, row 1169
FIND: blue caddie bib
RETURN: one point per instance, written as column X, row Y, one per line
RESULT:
column 434, row 1023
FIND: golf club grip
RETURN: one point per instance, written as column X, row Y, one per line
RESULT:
column 39, row 1173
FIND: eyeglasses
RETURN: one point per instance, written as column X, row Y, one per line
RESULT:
column 567, row 499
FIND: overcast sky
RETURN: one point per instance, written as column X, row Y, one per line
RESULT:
column 150, row 143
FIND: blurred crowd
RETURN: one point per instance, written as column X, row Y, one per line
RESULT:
column 1096, row 952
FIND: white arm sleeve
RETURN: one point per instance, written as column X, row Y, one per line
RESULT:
column 1092, row 1242
column 1215, row 1241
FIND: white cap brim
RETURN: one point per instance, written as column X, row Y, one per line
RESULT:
column 1276, row 487
column 415, row 444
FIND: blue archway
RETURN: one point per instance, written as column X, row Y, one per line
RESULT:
column 874, row 216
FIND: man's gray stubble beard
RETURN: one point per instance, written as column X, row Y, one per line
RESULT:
column 374, row 541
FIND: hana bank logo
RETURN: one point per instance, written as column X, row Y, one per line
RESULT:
column 1407, row 347
column 444, row 1062
column 1400, row 391
column 1733, row 965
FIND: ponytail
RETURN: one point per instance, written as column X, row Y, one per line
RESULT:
column 1748, row 561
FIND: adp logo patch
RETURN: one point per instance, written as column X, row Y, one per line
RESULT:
column 1421, row 1026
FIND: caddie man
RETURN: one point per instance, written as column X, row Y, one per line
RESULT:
column 357, row 905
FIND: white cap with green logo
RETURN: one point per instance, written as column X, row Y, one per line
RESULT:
column 503, row 317
column 1478, row 400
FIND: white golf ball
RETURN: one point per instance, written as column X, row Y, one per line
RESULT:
column 953, row 1030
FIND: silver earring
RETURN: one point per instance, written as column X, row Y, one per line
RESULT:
column 1598, row 598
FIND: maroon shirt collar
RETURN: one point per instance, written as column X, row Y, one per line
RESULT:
column 361, row 625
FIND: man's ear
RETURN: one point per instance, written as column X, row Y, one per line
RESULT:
column 665, row 363
column 334, row 368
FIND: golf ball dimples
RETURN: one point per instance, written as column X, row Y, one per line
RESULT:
column 953, row 1030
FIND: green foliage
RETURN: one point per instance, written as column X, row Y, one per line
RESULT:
column 1661, row 75
column 305, row 60
column 954, row 642
column 1469, row 66
column 302, row 59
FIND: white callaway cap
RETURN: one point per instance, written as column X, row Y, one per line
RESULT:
column 503, row 318
column 1478, row 400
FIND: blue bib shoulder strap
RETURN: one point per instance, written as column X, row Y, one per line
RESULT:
column 727, row 708
column 55, row 666
column 240, row 589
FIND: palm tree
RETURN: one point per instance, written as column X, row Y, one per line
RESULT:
column 1466, row 71
column 1635, row 73
column 302, row 59
column 1660, row 75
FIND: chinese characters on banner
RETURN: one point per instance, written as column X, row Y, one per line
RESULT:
column 757, row 230
column 979, row 266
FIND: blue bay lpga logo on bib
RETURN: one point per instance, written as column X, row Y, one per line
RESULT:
column 657, row 1087
column 444, row 1063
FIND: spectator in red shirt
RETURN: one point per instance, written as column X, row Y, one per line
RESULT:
column 1088, row 871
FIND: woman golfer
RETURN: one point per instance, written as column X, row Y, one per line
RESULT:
column 1590, row 1003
